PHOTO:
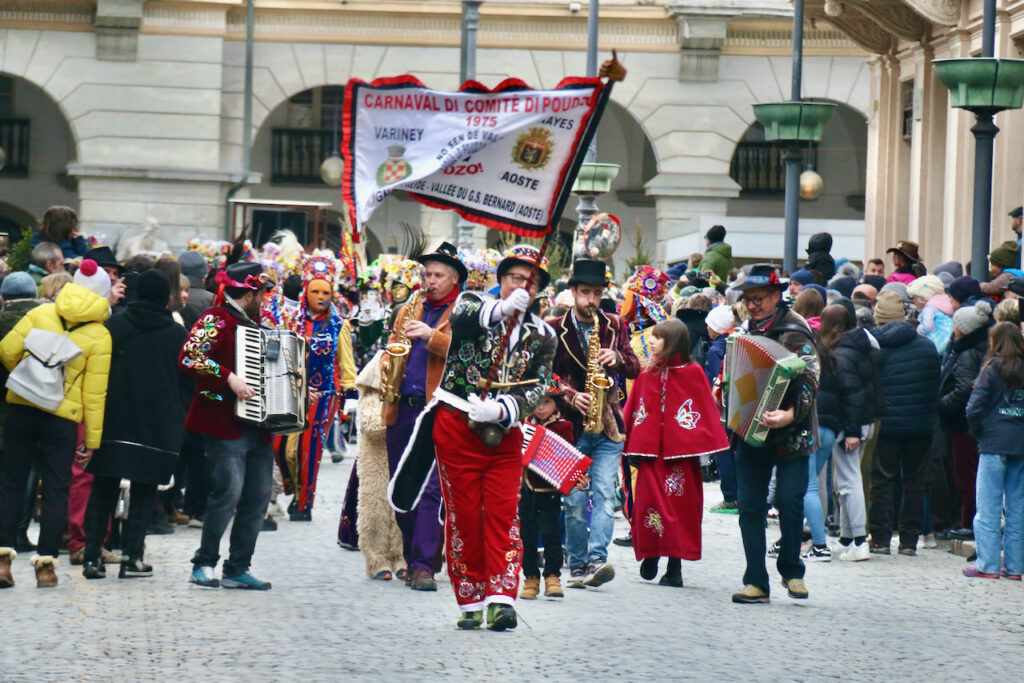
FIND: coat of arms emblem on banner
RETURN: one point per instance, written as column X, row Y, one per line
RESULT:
column 533, row 148
column 395, row 168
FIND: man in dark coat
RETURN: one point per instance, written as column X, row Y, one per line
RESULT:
column 143, row 424
column 909, row 369
column 576, row 330
column 818, row 256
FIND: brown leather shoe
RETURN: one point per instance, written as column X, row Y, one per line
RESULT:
column 46, row 570
column 530, row 589
column 553, row 587
column 6, row 556
column 423, row 580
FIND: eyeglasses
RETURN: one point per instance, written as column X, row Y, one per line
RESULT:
column 517, row 279
column 755, row 300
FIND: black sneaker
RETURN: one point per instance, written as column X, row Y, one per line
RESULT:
column 599, row 573
column 134, row 568
column 269, row 524
column 159, row 529
column 576, row 577
column 625, row 541
column 501, row 618
column 94, row 570
column 775, row 549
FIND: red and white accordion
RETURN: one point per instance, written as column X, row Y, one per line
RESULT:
column 552, row 458
column 757, row 371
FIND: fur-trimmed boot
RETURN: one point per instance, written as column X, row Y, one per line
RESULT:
column 46, row 570
column 7, row 555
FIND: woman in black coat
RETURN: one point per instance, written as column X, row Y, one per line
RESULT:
column 143, row 426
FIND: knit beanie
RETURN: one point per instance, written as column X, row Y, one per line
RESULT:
column 803, row 276
column 843, row 284
column 954, row 268
column 715, row 234
column 18, row 286
column 967, row 319
column 1006, row 255
column 821, row 292
column 898, row 287
column 963, row 288
column 876, row 281
column 153, row 286
column 93, row 278
column 889, row 308
column 926, row 287
column 721, row 319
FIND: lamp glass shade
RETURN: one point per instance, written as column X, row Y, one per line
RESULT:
column 811, row 185
column 802, row 121
column 982, row 82
column 595, row 178
column 331, row 170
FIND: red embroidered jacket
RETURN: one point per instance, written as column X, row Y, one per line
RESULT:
column 208, row 357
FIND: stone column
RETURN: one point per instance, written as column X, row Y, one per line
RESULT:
column 681, row 200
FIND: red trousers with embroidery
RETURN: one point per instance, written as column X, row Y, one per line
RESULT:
column 480, row 487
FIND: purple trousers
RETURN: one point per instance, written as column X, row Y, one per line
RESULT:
column 421, row 528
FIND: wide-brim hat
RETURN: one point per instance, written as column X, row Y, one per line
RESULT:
column 529, row 256
column 447, row 254
column 762, row 275
column 103, row 256
column 907, row 248
column 588, row 272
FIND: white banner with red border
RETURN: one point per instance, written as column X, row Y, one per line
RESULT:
column 504, row 158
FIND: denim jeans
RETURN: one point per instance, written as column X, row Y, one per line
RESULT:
column 241, row 476
column 999, row 476
column 812, row 498
column 726, row 463
column 584, row 547
column 753, row 471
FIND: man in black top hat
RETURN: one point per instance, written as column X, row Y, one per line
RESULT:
column 793, row 437
column 425, row 322
column 576, row 330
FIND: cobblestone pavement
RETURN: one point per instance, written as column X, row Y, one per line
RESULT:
column 887, row 619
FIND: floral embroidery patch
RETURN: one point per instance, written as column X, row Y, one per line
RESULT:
column 640, row 414
column 652, row 520
column 686, row 417
column 675, row 482
column 200, row 341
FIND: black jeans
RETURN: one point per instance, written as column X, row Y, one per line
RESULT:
column 34, row 436
column 898, row 458
column 726, row 463
column 193, row 454
column 103, row 503
column 241, row 476
column 538, row 513
column 753, row 472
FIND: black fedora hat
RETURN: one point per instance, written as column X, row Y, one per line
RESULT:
column 762, row 275
column 103, row 256
column 247, row 275
column 588, row 272
column 447, row 254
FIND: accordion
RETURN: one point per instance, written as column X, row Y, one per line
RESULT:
column 551, row 458
column 757, row 371
column 273, row 362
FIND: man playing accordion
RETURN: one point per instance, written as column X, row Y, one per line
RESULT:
column 793, row 437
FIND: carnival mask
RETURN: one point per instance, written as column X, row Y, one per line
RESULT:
column 318, row 296
column 399, row 293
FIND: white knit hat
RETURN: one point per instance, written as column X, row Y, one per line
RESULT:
column 926, row 287
column 721, row 319
column 93, row 278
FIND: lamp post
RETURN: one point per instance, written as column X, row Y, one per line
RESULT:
column 984, row 86
column 793, row 122
column 467, row 71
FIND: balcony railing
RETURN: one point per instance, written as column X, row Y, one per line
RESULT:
column 14, row 135
column 296, row 154
column 758, row 167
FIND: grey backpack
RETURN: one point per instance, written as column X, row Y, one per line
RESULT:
column 39, row 377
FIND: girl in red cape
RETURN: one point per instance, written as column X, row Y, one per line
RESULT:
column 671, row 420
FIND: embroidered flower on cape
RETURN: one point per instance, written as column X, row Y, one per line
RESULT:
column 652, row 520
column 675, row 482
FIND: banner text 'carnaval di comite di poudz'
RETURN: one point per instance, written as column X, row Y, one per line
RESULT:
column 504, row 158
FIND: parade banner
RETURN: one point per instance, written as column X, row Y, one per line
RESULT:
column 505, row 158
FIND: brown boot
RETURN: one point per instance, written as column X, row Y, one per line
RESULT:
column 553, row 587
column 6, row 556
column 530, row 588
column 46, row 570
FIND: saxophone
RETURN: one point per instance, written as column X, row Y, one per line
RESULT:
column 597, row 385
column 397, row 352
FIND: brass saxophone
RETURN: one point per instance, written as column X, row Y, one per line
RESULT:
column 397, row 352
column 597, row 385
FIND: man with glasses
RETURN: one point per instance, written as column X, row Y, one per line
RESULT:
column 793, row 437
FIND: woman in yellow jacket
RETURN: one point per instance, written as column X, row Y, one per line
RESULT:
column 48, row 436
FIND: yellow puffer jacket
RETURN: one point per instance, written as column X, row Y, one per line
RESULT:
column 86, row 382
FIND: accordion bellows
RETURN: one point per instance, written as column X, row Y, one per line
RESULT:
column 273, row 362
column 757, row 371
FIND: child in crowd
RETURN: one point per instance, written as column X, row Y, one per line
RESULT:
column 539, row 508
column 721, row 321
column 671, row 420
column 936, row 310
column 995, row 412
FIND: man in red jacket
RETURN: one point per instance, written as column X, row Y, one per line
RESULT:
column 240, row 457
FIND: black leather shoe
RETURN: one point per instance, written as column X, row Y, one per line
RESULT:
column 133, row 568
column 94, row 570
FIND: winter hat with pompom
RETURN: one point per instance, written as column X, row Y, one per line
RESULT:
column 90, row 276
column 967, row 319
column 721, row 319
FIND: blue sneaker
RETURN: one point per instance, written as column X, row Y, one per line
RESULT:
column 246, row 581
column 203, row 576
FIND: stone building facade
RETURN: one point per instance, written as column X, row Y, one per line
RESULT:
column 135, row 107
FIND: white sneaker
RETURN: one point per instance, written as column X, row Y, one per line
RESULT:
column 856, row 553
column 275, row 509
column 929, row 541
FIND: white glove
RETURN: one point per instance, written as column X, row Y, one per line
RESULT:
column 517, row 301
column 484, row 409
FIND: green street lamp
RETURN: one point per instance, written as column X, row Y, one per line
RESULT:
column 984, row 86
